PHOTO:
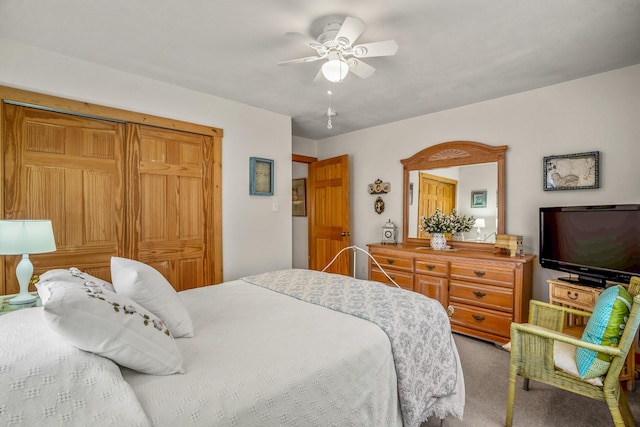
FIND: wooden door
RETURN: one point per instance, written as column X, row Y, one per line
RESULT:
column 68, row 169
column 329, row 230
column 171, row 179
column 436, row 192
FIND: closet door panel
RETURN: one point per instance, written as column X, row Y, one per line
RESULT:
column 169, row 186
column 67, row 169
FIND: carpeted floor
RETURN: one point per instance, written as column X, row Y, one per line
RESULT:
column 486, row 372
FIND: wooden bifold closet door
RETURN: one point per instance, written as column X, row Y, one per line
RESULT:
column 170, row 195
column 111, row 188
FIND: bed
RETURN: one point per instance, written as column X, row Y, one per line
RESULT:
column 289, row 347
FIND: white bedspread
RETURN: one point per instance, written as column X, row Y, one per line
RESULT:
column 277, row 362
column 45, row 381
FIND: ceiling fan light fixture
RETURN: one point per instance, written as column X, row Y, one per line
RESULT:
column 335, row 70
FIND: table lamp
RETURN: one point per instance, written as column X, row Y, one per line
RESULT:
column 24, row 237
column 479, row 224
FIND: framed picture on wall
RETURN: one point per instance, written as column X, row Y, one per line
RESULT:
column 299, row 197
column 260, row 177
column 571, row 171
column 479, row 199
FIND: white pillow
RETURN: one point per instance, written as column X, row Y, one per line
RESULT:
column 564, row 358
column 73, row 275
column 148, row 287
column 111, row 325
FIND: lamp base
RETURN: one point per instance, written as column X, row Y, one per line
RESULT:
column 22, row 299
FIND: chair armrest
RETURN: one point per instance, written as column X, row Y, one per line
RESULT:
column 550, row 334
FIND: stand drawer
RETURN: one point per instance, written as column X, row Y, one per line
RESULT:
column 574, row 297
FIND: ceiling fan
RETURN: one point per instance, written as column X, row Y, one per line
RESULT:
column 336, row 44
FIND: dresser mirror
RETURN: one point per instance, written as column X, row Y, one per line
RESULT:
column 462, row 175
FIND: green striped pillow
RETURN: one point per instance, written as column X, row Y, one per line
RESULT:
column 605, row 327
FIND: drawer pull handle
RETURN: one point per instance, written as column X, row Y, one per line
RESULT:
column 478, row 318
column 430, row 267
column 479, row 294
column 574, row 297
column 390, row 261
column 450, row 311
column 479, row 273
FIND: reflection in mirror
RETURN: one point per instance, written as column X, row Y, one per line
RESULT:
column 453, row 188
column 463, row 175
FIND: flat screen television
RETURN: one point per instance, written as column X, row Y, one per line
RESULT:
column 596, row 243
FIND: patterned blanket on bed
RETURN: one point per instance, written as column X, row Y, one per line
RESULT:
column 418, row 329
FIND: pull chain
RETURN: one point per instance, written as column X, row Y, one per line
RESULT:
column 330, row 111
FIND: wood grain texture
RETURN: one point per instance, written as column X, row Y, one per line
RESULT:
column 329, row 230
column 488, row 291
column 455, row 153
column 71, row 169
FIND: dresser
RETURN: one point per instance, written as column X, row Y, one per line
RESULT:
column 487, row 291
column 580, row 297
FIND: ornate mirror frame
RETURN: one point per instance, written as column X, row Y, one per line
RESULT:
column 455, row 153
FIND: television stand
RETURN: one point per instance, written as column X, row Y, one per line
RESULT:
column 583, row 281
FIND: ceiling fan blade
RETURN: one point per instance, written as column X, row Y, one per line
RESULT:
column 360, row 69
column 350, row 31
column 300, row 60
column 313, row 44
column 368, row 50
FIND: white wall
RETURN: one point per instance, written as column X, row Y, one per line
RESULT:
column 600, row 112
column 251, row 228
column 300, row 235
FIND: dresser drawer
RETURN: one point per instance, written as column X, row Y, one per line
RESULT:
column 491, row 297
column 392, row 260
column 482, row 320
column 478, row 273
column 579, row 298
column 431, row 267
column 405, row 280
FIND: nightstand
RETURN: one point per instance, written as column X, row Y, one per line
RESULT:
column 584, row 298
column 5, row 307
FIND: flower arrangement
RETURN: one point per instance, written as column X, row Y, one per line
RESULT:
column 441, row 223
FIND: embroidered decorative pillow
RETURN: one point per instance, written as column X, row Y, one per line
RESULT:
column 148, row 287
column 604, row 327
column 73, row 275
column 111, row 325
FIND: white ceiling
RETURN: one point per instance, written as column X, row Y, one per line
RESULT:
column 451, row 52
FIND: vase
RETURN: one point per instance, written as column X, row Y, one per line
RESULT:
column 438, row 241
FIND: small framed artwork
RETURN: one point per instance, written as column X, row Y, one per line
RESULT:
column 260, row 177
column 571, row 171
column 299, row 197
column 479, row 199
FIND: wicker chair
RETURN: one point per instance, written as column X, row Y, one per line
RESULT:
column 532, row 356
